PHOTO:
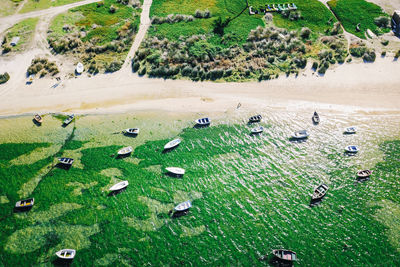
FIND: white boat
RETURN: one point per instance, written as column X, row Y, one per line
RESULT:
column 319, row 192
column 79, row 68
column 351, row 149
column 125, row 151
column 69, row 119
column 132, row 131
column 66, row 254
column 350, row 130
column 25, row 203
column 257, row 130
column 183, row 206
column 119, row 186
column 256, row 118
column 203, row 121
column 300, row 134
column 172, row 143
column 176, row 170
column 66, row 161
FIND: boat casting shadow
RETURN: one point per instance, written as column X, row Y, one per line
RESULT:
column 169, row 149
column 130, row 135
column 123, row 156
column 275, row 261
column 22, row 209
column 345, row 133
column 63, row 166
column 173, row 175
column 315, row 202
column 62, row 262
column 198, row 126
column 178, row 214
column 297, row 140
column 349, row 154
column 38, row 124
column 116, row 192
column 363, row 179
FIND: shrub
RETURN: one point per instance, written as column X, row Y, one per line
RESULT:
column 322, row 70
column 113, row 9
column 135, row 66
column 114, row 66
column 383, row 53
column 305, row 33
column 336, row 28
column 369, row 56
column 142, row 71
column 6, row 49
column 4, row 77
column 385, row 42
column 397, row 55
column 314, row 65
column 382, row 22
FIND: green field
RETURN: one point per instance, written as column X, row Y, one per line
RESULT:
column 352, row 12
column 25, row 30
column 33, row 5
column 250, row 194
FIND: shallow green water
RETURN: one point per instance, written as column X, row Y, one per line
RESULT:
column 250, row 193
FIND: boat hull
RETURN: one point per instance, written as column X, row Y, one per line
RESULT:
column 119, row 186
column 172, row 144
column 175, row 170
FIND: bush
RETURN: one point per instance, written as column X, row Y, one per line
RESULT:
column 385, row 42
column 322, row 70
column 305, row 33
column 135, row 66
column 6, row 49
column 397, row 55
column 113, row 9
column 369, row 56
column 383, row 53
column 114, row 66
column 382, row 22
column 202, row 14
column 4, row 77
column 314, row 65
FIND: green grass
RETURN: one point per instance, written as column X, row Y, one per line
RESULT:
column 8, row 7
column 352, row 12
column 33, row 5
column 24, row 30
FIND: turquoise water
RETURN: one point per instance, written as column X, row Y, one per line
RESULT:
column 250, row 194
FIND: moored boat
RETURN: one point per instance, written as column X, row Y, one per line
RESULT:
column 119, row 186
column 256, row 118
column 315, row 118
column 66, row 254
column 69, row 119
column 350, row 130
column 351, row 149
column 203, row 121
column 66, row 161
column 26, row 203
column 176, row 170
column 257, row 130
column 319, row 192
column 284, row 254
column 183, row 206
column 132, row 131
column 38, row 118
column 125, row 151
column 364, row 173
column 300, row 134
column 172, row 143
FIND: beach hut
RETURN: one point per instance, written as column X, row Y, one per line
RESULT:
column 396, row 22
column 14, row 41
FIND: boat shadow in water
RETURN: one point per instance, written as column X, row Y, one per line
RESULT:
column 173, row 175
column 63, row 166
column 22, row 209
column 123, row 156
column 38, row 124
column 199, row 126
column 297, row 140
column 62, row 262
column 167, row 150
column 275, row 261
column 130, row 135
column 178, row 214
column 363, row 179
column 349, row 154
column 315, row 202
column 116, row 192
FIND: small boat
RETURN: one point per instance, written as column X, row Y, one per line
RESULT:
column 38, row 118
column 203, row 121
column 300, row 134
column 256, row 118
column 66, row 161
column 172, row 143
column 364, row 173
column 132, row 131
column 25, row 203
column 351, row 149
column 315, row 118
column 257, row 130
column 125, row 151
column 183, row 206
column 119, row 186
column 350, row 130
column 285, row 255
column 79, row 68
column 66, row 254
column 69, row 119
column 176, row 170
column 319, row 192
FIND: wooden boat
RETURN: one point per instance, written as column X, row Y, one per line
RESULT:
column 172, row 143
column 66, row 161
column 203, row 121
column 285, row 255
column 300, row 134
column 256, row 118
column 66, row 254
column 132, row 131
column 183, row 206
column 38, row 118
column 350, row 130
column 119, row 186
column 319, row 192
column 25, row 203
column 125, row 151
column 315, row 118
column 364, row 173
column 79, row 68
column 257, row 130
column 351, row 149
column 69, row 119
column 176, row 170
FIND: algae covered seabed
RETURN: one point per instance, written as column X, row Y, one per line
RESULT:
column 250, row 194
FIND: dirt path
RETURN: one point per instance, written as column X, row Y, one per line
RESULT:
column 20, row 6
column 145, row 23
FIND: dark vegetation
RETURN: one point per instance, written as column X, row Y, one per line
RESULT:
column 360, row 50
column 42, row 66
column 4, row 77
